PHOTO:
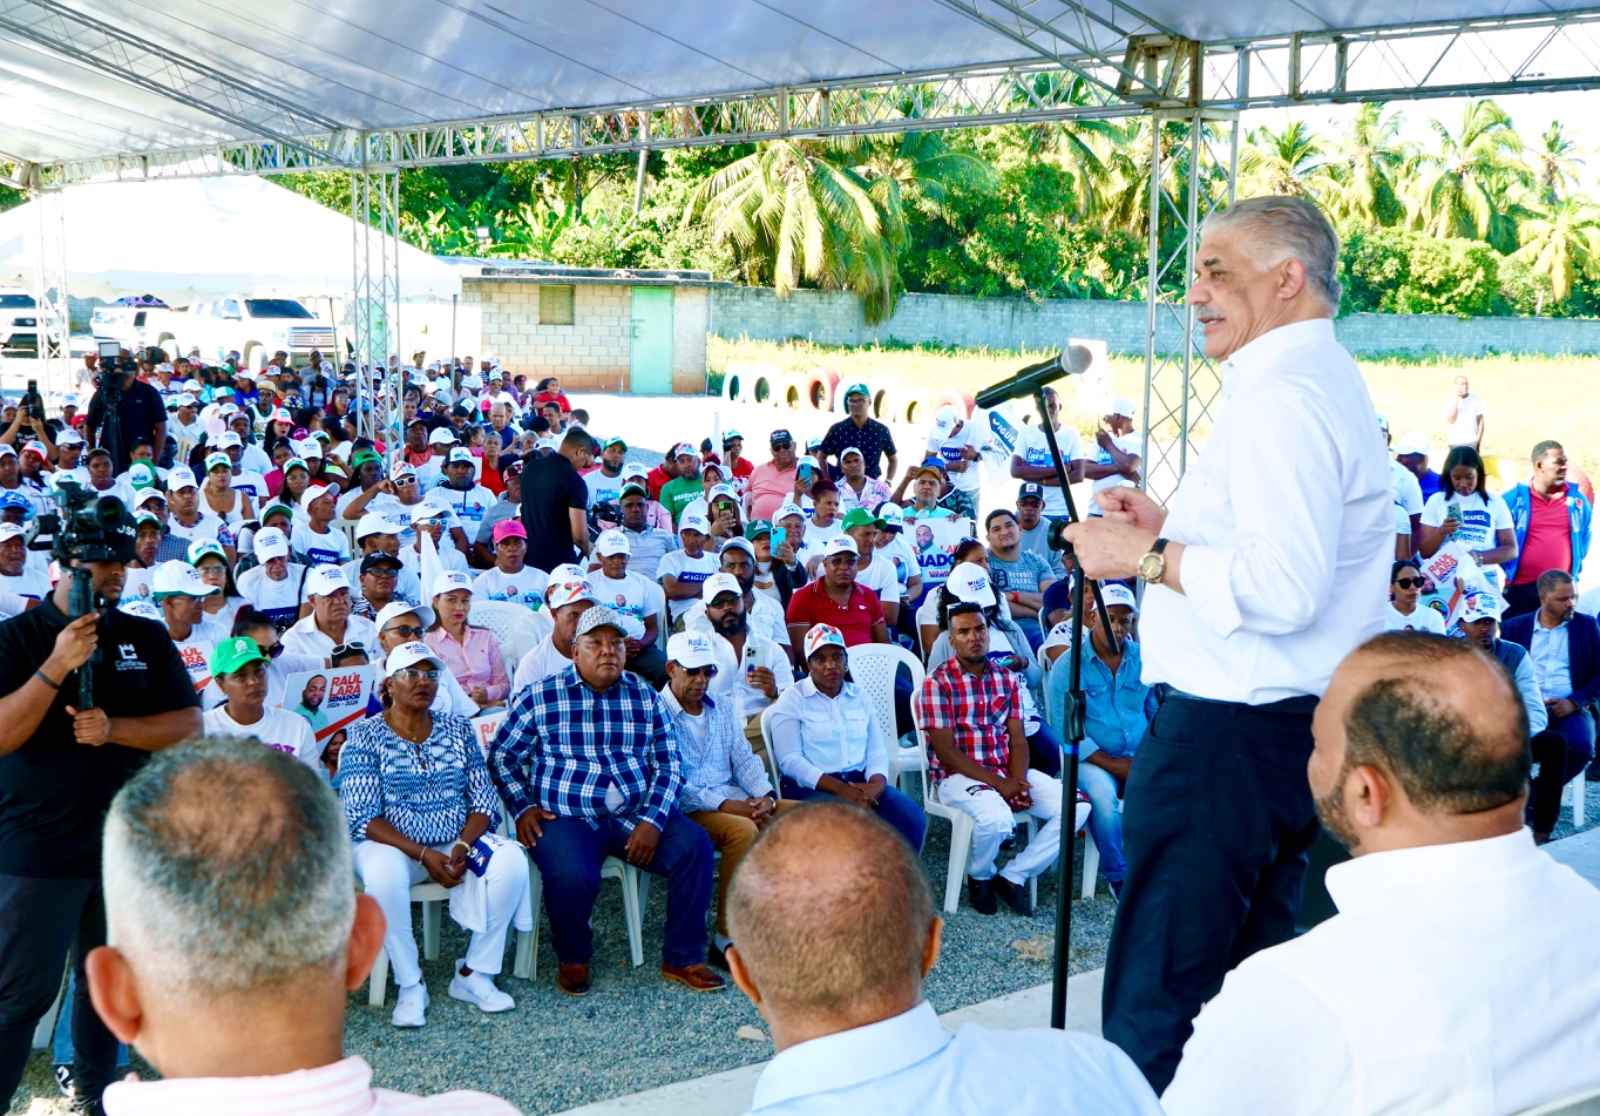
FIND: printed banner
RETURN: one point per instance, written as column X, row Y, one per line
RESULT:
column 329, row 700
column 486, row 726
column 1452, row 576
column 934, row 542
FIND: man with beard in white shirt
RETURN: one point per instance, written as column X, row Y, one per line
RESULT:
column 1462, row 972
column 460, row 493
column 179, row 594
column 738, row 559
column 751, row 669
column 567, row 598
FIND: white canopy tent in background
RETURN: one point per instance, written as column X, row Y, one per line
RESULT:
column 186, row 239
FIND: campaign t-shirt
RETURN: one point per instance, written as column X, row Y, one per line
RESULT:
column 277, row 729
column 629, row 595
column 196, row 651
column 30, row 583
column 678, row 493
column 278, row 599
column 687, row 570
column 525, row 587
column 1422, row 619
column 329, row 549
column 1129, row 443
column 897, row 552
column 602, row 489
column 208, row 526
column 1480, row 518
column 881, row 578
column 1035, row 451
column 1407, row 489
column 469, row 506
column 54, row 793
column 948, row 449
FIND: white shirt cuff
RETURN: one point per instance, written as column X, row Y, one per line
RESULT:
column 1207, row 584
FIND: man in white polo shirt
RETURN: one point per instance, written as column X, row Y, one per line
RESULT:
column 330, row 624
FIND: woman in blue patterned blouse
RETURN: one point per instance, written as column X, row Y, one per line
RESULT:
column 417, row 793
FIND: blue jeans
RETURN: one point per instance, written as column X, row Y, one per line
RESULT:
column 1044, row 751
column 893, row 807
column 1105, row 819
column 569, row 856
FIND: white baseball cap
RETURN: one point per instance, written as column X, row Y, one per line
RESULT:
column 425, row 510
column 719, row 583
column 229, row 440
column 691, row 649
column 1482, row 606
column 1415, row 441
column 178, row 578
column 694, row 523
column 146, row 495
column 394, row 609
column 1122, row 405
column 69, row 437
column 443, row 436
column 409, row 654
column 312, row 492
column 840, row 544
column 970, row 582
column 10, row 531
column 558, row 594
column 271, row 543
column 375, row 523
column 1116, row 593
column 718, row 491
column 611, row 543
column 449, row 582
column 325, row 581
column 787, row 510
column 739, row 542
column 820, row 636
column 179, row 477
column 458, row 455
column 634, row 469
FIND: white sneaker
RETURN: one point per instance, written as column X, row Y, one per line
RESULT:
column 411, row 1006
column 479, row 989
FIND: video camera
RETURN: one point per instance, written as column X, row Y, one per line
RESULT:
column 32, row 403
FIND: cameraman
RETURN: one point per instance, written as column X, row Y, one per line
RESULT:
column 140, row 412
column 59, row 768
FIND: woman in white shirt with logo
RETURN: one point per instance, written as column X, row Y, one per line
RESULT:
column 1405, row 593
column 1465, row 512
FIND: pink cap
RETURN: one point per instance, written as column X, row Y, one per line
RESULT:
column 509, row 528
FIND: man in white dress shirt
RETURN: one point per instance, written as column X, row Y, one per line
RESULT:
column 234, row 958
column 1267, row 568
column 1462, row 972
column 834, row 932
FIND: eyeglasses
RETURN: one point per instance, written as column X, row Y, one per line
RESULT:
column 386, row 572
column 1410, row 582
column 352, row 648
column 271, row 652
column 695, row 672
column 419, row 674
column 407, row 631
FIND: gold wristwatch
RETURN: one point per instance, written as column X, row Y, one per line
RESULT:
column 1153, row 565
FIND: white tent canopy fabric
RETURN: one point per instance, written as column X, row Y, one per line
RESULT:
column 194, row 238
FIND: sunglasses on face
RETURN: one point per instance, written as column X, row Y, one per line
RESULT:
column 405, row 482
column 1409, row 582
column 273, row 651
column 407, row 631
column 705, row 671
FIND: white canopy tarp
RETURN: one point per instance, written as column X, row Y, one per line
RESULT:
column 194, row 238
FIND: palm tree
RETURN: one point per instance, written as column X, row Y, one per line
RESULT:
column 1555, row 163
column 1562, row 242
column 1287, row 162
column 1368, row 168
column 1463, row 190
column 792, row 216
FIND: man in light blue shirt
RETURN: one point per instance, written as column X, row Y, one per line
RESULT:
column 1118, row 708
column 834, row 932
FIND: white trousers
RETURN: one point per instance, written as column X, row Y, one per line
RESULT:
column 995, row 822
column 388, row 874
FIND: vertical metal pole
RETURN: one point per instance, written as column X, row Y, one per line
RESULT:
column 1152, row 294
column 1191, row 220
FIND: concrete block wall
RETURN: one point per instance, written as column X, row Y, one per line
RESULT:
column 691, row 309
column 591, row 354
column 835, row 318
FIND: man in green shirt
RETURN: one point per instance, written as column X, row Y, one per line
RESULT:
column 685, row 488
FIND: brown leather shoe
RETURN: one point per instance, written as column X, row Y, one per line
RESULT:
column 573, row 979
column 699, row 977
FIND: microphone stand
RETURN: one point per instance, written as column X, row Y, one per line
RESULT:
column 1073, row 718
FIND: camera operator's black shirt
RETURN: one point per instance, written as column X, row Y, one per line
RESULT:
column 54, row 792
column 551, row 489
column 139, row 410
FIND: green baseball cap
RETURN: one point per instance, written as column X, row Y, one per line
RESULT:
column 860, row 517
column 756, row 528
column 231, row 654
column 857, row 389
column 141, row 475
column 631, row 488
column 613, row 441
column 276, row 507
column 364, row 456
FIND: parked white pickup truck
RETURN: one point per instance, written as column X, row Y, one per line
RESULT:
column 19, row 321
column 255, row 328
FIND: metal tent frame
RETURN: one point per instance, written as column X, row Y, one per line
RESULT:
column 1111, row 58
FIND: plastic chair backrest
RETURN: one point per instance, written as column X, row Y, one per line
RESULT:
column 529, row 630
column 658, row 599
column 500, row 617
column 872, row 668
column 772, row 754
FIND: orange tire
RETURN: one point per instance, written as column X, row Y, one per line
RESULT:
column 819, row 388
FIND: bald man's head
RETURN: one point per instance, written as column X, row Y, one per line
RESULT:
column 1437, row 718
column 830, row 914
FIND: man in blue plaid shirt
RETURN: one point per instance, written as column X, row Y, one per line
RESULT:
column 587, row 761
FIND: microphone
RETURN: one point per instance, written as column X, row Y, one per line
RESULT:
column 1073, row 361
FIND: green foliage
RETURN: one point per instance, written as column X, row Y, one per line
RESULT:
column 1399, row 272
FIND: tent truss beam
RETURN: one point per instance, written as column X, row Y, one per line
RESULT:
column 92, row 43
column 375, row 305
column 1156, row 71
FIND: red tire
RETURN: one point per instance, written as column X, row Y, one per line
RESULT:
column 960, row 400
column 819, row 388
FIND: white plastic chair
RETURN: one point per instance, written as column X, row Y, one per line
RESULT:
column 501, row 618
column 1586, row 1103
column 529, row 631
column 772, row 754
column 658, row 601
column 1573, row 793
column 431, row 896
column 873, row 667
column 635, row 891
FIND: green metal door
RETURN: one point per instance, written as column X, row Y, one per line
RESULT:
column 650, row 366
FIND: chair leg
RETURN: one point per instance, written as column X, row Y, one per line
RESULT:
column 525, row 965
column 1091, row 867
column 430, row 929
column 632, row 915
column 378, row 982
column 956, row 874
column 1577, row 799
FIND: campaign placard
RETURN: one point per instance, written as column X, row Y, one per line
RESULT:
column 934, row 542
column 329, row 700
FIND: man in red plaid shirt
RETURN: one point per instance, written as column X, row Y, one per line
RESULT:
column 972, row 714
